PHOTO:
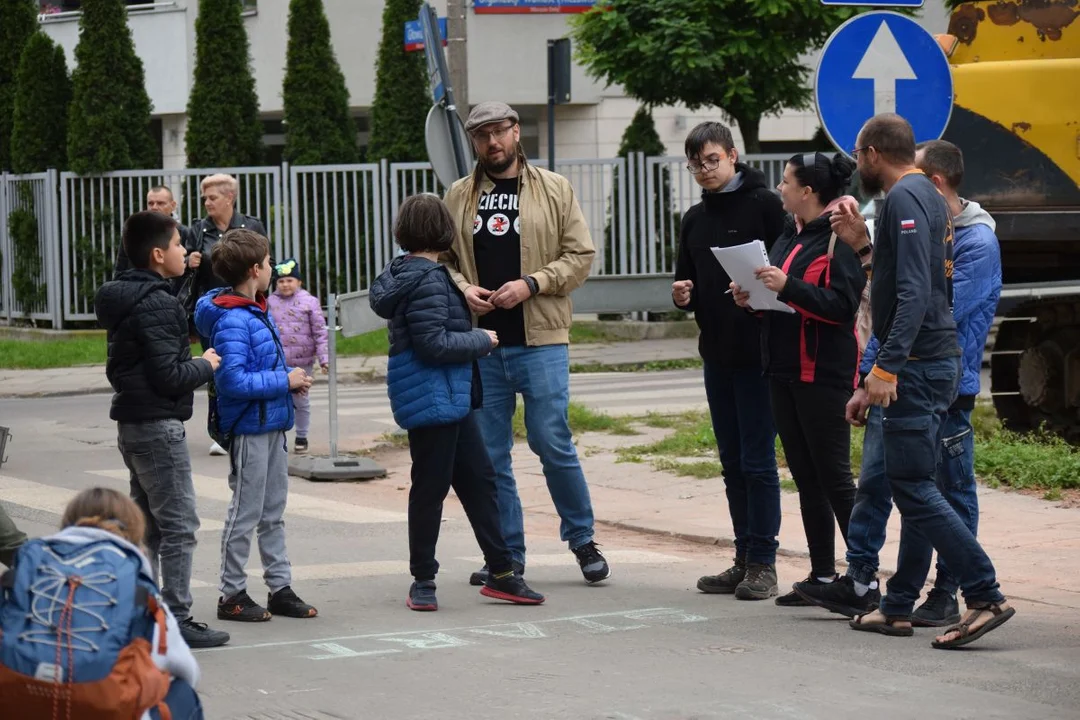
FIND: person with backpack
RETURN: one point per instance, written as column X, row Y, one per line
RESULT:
column 250, row 414
column 433, row 380
column 154, row 379
column 811, row 356
column 87, row 596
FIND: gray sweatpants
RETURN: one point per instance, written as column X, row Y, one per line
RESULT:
column 259, row 480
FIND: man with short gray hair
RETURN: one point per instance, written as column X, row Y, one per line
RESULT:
column 521, row 248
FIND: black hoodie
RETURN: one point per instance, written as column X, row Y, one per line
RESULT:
column 150, row 365
column 750, row 211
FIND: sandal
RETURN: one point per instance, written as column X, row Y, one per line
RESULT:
column 884, row 628
column 967, row 635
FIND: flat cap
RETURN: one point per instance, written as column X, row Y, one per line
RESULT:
column 489, row 112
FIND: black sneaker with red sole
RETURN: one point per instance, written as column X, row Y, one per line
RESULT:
column 511, row 588
column 422, row 596
column 241, row 608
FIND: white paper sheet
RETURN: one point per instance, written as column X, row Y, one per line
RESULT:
column 740, row 262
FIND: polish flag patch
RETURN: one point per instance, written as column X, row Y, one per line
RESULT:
column 907, row 224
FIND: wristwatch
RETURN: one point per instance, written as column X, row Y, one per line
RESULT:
column 865, row 250
column 534, row 287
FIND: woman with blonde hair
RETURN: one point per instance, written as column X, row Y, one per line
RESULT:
column 71, row 595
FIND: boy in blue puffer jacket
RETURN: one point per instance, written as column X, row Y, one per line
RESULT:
column 433, row 383
column 255, row 409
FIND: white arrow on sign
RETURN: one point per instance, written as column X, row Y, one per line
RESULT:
column 884, row 63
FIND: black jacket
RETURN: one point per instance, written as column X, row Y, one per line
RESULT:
column 202, row 236
column 149, row 365
column 729, row 335
column 817, row 344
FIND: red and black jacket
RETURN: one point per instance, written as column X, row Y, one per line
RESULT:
column 817, row 343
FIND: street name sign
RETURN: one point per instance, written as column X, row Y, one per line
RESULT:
column 882, row 62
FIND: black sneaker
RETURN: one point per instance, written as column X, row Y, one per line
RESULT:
column 759, row 583
column 199, row 635
column 838, row 597
column 300, row 446
column 593, row 565
column 726, row 582
column 286, row 602
column 511, row 588
column 792, row 599
column 939, row 610
column 241, row 608
column 422, row 596
column 480, row 577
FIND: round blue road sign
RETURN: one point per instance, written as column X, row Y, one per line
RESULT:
column 882, row 62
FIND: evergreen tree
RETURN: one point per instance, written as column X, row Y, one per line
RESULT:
column 223, row 110
column 42, row 96
column 109, row 121
column 18, row 21
column 401, row 91
column 318, row 126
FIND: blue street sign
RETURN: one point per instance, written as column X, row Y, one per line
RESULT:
column 414, row 34
column 876, row 3
column 882, row 62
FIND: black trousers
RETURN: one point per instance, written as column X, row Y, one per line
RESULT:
column 817, row 444
column 445, row 456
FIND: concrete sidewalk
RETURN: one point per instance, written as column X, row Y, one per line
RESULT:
column 87, row 379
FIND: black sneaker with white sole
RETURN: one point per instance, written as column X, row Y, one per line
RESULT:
column 300, row 446
column 838, row 597
column 939, row 610
column 593, row 565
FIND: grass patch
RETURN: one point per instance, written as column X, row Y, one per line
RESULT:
column 649, row 366
column 787, row 485
column 374, row 343
column 42, row 354
column 702, row 469
column 398, row 440
column 582, row 420
column 1035, row 461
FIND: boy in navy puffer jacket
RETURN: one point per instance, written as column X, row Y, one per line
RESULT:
column 254, row 385
column 433, row 383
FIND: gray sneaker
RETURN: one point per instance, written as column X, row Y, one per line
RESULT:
column 759, row 584
column 726, row 582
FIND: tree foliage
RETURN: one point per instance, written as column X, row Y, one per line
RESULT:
column 318, row 126
column 743, row 57
column 223, row 127
column 109, row 120
column 401, row 96
column 42, row 96
column 18, row 21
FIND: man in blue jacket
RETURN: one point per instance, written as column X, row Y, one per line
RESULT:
column 976, row 289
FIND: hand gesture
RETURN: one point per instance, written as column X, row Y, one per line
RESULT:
column 855, row 410
column 680, row 292
column 511, row 294
column 194, row 260
column 848, row 224
column 773, row 277
column 880, row 392
column 494, row 338
column 213, row 358
column 742, row 297
column 477, row 298
column 299, row 380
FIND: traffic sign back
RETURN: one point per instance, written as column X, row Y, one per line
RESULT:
column 882, row 62
column 876, row 3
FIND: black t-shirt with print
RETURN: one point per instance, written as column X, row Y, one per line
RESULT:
column 497, row 250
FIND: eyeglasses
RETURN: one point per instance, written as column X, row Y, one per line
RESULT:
column 481, row 136
column 706, row 166
column 856, row 151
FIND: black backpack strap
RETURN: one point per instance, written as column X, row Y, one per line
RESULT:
column 7, row 580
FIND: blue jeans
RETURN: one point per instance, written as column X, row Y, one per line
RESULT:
column 746, row 438
column 912, row 430
column 541, row 375
column 183, row 703
column 873, row 501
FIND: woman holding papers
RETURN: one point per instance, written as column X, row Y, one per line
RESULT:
column 811, row 356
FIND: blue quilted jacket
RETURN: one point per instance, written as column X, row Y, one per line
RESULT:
column 976, row 291
column 252, row 382
column 431, row 377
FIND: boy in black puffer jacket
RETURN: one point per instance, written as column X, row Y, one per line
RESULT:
column 151, row 369
column 434, row 386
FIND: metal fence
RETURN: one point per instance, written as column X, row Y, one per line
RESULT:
column 336, row 220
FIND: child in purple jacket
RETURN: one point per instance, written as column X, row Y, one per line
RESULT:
column 302, row 328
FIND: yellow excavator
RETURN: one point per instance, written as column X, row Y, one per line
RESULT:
column 1016, row 116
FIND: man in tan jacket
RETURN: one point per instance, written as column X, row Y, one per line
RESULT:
column 522, row 247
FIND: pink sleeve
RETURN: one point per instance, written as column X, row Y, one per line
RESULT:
column 319, row 331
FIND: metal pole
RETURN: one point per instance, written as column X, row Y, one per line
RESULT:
column 333, row 329
column 551, row 104
column 457, row 51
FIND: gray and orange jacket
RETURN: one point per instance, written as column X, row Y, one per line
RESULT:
column 817, row 343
